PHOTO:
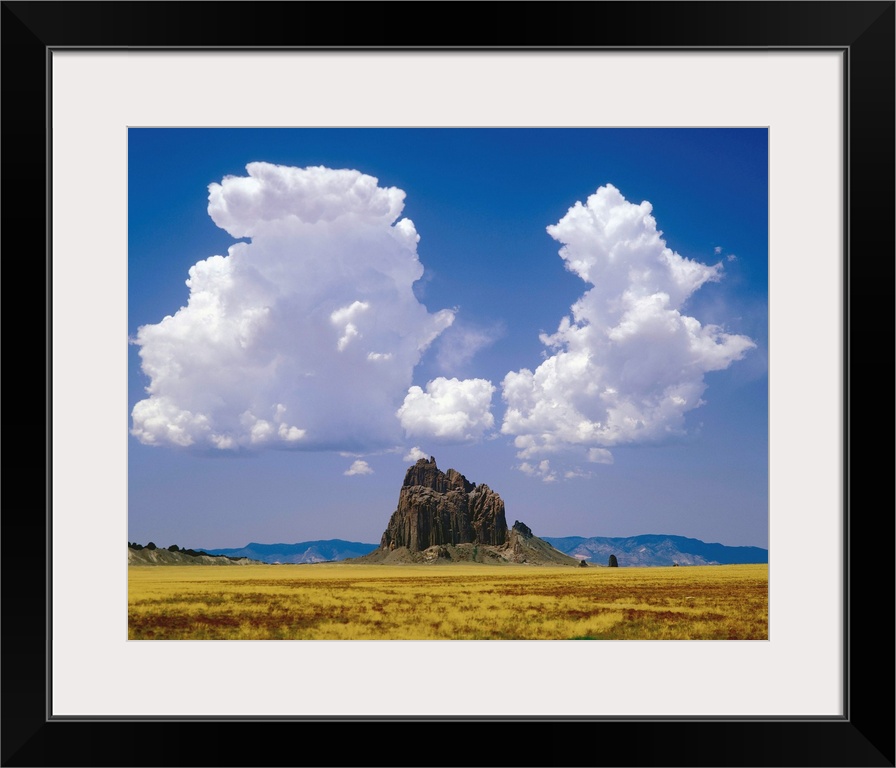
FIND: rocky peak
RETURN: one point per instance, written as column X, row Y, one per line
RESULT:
column 444, row 518
column 427, row 475
column 438, row 508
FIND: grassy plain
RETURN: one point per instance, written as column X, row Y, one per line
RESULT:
column 338, row 601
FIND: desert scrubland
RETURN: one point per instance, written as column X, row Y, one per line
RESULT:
column 341, row 601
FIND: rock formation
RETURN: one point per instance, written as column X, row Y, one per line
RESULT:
column 436, row 508
column 523, row 546
column 444, row 518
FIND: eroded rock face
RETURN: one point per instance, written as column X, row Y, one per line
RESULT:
column 438, row 508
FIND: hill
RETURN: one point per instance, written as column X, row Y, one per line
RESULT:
column 301, row 552
column 157, row 556
column 655, row 549
column 521, row 547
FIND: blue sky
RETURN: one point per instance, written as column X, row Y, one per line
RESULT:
column 321, row 345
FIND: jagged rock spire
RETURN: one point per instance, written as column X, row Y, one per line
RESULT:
column 436, row 507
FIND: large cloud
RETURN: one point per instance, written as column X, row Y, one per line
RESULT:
column 628, row 364
column 305, row 337
column 449, row 410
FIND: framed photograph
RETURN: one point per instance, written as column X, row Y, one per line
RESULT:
column 129, row 114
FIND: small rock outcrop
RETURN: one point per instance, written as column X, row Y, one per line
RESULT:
column 438, row 508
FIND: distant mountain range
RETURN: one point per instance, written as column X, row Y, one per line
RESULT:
column 302, row 552
column 655, row 549
column 645, row 550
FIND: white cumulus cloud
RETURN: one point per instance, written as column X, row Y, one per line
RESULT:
column 450, row 410
column 627, row 364
column 415, row 454
column 307, row 336
column 359, row 467
column 541, row 470
column 600, row 456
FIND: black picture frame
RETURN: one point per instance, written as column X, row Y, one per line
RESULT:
column 864, row 736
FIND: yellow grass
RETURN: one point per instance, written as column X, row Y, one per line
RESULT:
column 338, row 601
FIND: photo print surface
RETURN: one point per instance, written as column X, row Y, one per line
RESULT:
column 448, row 383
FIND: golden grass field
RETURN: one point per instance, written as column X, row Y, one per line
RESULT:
column 338, row 601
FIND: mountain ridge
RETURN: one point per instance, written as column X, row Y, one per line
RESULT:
column 157, row 556
column 653, row 549
column 318, row 551
column 661, row 549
